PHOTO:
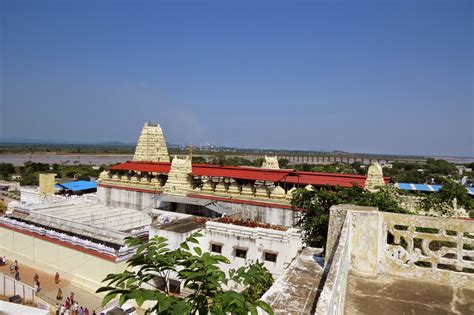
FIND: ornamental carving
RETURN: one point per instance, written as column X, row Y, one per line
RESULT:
column 448, row 247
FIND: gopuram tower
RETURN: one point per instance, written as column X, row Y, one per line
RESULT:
column 151, row 145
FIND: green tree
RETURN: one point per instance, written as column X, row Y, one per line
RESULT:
column 283, row 163
column 258, row 162
column 452, row 190
column 357, row 166
column 219, row 159
column 198, row 272
column 315, row 204
column 5, row 170
column 199, row 160
column 442, row 201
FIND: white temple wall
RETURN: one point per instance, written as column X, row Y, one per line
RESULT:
column 82, row 269
column 116, row 197
column 256, row 241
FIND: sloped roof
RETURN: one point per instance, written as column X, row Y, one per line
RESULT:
column 162, row 167
column 253, row 173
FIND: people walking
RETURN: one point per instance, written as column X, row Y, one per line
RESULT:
column 59, row 296
column 36, row 278
column 17, row 276
column 56, row 278
column 14, row 267
column 37, row 286
column 67, row 305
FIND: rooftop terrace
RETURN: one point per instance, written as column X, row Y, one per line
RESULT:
column 384, row 263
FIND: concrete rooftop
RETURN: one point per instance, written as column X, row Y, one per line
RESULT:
column 98, row 215
column 391, row 295
column 296, row 290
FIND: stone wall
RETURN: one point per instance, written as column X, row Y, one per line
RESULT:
column 333, row 295
column 126, row 198
column 367, row 242
column 429, row 248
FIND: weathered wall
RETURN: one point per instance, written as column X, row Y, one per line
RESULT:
column 432, row 249
column 83, row 269
column 333, row 296
column 132, row 199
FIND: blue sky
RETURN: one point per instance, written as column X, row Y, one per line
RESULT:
column 360, row 76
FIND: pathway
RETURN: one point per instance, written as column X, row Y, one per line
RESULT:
column 50, row 289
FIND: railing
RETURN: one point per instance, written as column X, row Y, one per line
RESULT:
column 437, row 248
column 370, row 243
column 46, row 298
column 11, row 287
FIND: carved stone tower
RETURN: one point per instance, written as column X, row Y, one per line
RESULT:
column 271, row 162
column 178, row 182
column 374, row 177
column 151, row 145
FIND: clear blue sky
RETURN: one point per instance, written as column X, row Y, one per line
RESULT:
column 361, row 76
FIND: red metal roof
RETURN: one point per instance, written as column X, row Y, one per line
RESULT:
column 252, row 173
column 162, row 167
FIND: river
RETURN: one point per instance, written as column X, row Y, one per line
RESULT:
column 71, row 159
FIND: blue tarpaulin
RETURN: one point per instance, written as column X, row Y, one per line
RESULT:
column 77, row 185
column 425, row 187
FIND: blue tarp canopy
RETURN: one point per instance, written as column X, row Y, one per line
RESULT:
column 425, row 187
column 418, row 187
column 77, row 185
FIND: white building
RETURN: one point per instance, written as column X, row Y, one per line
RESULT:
column 239, row 240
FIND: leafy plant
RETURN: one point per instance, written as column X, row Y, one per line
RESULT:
column 315, row 204
column 442, row 202
column 154, row 264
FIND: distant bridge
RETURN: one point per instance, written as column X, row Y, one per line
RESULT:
column 319, row 158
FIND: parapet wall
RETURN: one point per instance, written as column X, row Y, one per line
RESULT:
column 333, row 296
column 123, row 197
column 429, row 248
column 366, row 242
column 80, row 262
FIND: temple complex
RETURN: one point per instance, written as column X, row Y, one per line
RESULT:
column 267, row 191
column 244, row 213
